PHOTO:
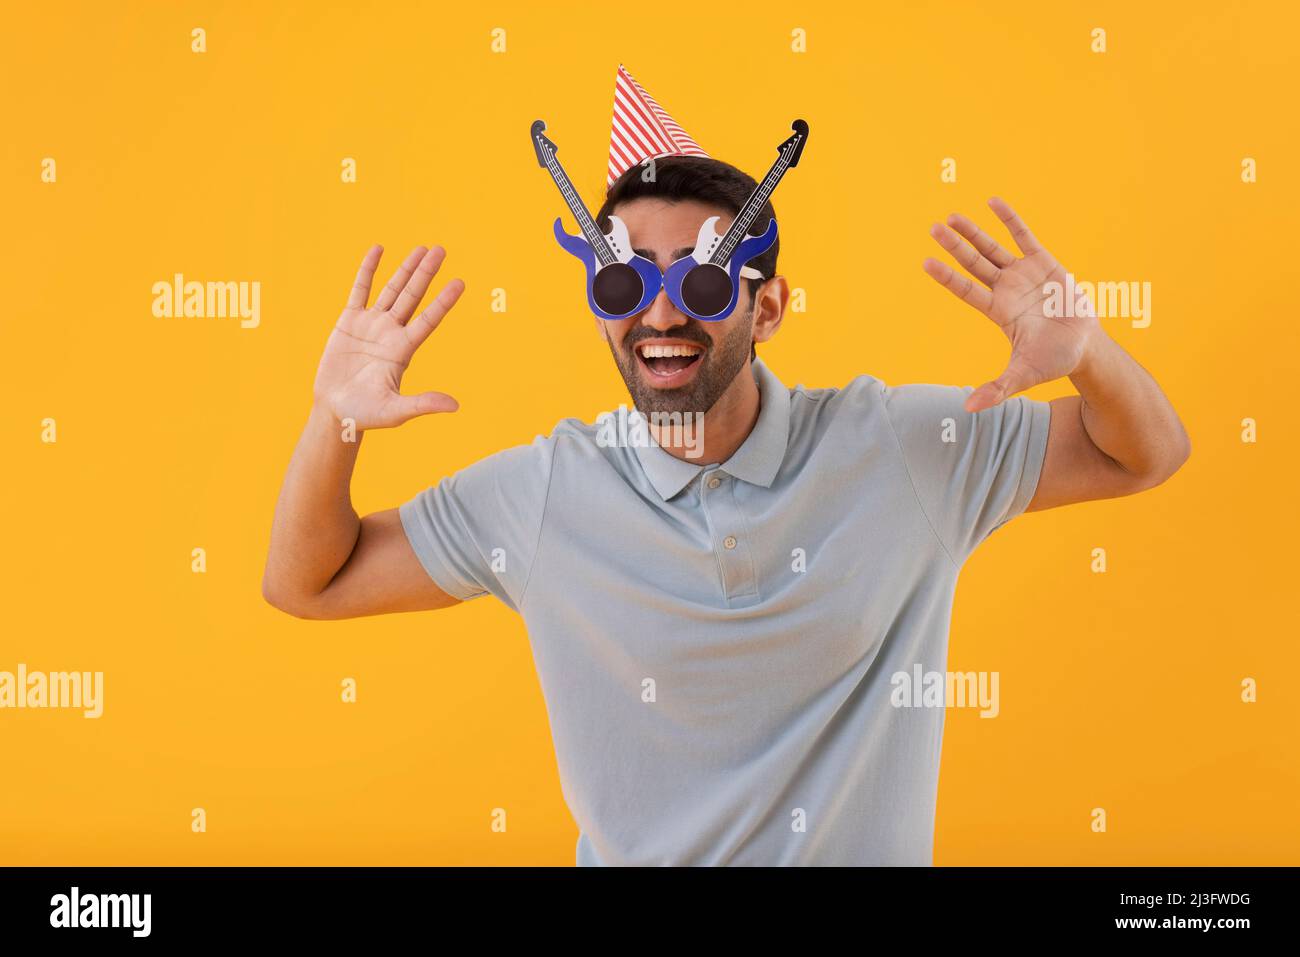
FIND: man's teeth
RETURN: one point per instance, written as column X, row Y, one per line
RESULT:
column 664, row 352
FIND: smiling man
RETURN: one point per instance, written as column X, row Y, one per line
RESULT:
column 716, row 637
column 671, row 363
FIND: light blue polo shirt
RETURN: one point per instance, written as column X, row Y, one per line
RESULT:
column 715, row 644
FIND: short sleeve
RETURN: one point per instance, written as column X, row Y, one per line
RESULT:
column 476, row 531
column 973, row 472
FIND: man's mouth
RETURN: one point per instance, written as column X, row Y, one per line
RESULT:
column 669, row 361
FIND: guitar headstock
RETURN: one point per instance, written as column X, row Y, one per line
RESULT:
column 797, row 139
column 540, row 142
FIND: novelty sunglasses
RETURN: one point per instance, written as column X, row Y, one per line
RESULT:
column 703, row 284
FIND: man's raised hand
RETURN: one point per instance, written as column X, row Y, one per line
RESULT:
column 360, row 372
column 1013, row 292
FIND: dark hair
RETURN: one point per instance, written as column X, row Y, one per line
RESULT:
column 678, row 178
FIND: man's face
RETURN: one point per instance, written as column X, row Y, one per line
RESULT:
column 642, row 345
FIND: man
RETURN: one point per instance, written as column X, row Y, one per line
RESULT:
column 716, row 635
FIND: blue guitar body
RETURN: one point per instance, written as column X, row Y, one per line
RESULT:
column 612, row 272
column 696, row 268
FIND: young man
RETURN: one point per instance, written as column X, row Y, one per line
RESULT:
column 716, row 633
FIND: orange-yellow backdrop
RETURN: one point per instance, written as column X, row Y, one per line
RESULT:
column 1119, row 690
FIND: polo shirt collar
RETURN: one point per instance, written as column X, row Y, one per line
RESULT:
column 757, row 460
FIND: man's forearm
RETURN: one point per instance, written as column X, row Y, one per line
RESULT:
column 315, row 526
column 1126, row 414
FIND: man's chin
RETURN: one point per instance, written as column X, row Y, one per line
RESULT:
column 667, row 401
column 694, row 389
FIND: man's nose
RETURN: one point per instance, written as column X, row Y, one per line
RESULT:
column 662, row 315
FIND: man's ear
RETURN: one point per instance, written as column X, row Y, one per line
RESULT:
column 769, row 307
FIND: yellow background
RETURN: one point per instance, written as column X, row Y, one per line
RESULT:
column 1119, row 690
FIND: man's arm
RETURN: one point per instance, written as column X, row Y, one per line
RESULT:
column 324, row 561
column 1119, row 435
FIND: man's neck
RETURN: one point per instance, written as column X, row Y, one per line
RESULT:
column 720, row 431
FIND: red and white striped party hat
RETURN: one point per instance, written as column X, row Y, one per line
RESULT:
column 642, row 129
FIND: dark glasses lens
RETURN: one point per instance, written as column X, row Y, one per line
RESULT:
column 617, row 289
column 706, row 290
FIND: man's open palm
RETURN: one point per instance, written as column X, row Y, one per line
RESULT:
column 1011, row 292
column 360, row 373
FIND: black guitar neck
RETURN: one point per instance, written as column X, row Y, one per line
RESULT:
column 546, row 151
column 788, row 154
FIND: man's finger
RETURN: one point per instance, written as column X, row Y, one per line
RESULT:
column 986, row 244
column 360, row 294
column 964, row 253
column 388, row 295
column 960, row 286
column 1019, row 231
column 419, row 328
column 407, row 407
column 419, row 284
column 1017, row 377
column 986, row 396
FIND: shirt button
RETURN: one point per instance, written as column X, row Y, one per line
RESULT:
column 714, row 482
column 729, row 541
